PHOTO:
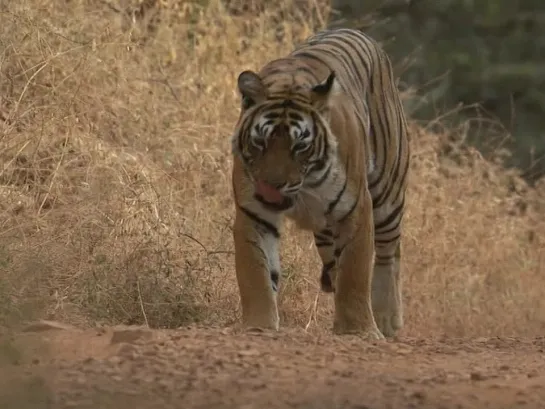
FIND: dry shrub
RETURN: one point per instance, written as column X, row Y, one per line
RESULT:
column 115, row 183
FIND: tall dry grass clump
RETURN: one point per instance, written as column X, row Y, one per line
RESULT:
column 115, row 196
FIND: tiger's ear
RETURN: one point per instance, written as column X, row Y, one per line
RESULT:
column 251, row 88
column 322, row 93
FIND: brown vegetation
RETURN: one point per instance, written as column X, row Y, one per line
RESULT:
column 115, row 195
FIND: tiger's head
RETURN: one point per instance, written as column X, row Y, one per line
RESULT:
column 283, row 138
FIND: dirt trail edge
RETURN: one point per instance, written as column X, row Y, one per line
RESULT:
column 49, row 365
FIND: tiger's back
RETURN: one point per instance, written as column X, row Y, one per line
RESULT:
column 365, row 74
column 322, row 138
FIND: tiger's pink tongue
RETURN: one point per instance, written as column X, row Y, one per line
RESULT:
column 268, row 192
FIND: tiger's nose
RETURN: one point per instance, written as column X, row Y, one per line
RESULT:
column 272, row 184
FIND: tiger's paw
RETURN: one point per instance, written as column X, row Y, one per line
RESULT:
column 388, row 317
column 260, row 322
column 368, row 332
column 241, row 328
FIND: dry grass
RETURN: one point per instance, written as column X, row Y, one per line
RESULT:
column 115, row 197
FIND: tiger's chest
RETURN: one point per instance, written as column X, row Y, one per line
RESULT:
column 308, row 212
column 319, row 208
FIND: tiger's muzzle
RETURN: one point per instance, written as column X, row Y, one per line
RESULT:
column 271, row 197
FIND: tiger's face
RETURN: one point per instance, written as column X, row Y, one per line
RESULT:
column 285, row 145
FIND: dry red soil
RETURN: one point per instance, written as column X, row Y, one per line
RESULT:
column 227, row 368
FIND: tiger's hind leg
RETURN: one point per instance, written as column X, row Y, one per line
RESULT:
column 386, row 287
column 324, row 241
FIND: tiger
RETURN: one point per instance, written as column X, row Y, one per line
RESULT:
column 322, row 138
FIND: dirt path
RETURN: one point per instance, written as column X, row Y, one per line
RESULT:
column 223, row 368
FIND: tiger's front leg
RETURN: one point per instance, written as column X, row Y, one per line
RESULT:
column 257, row 266
column 353, row 308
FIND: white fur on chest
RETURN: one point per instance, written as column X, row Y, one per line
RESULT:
column 311, row 207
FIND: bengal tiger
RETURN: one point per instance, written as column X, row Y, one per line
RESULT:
column 322, row 138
